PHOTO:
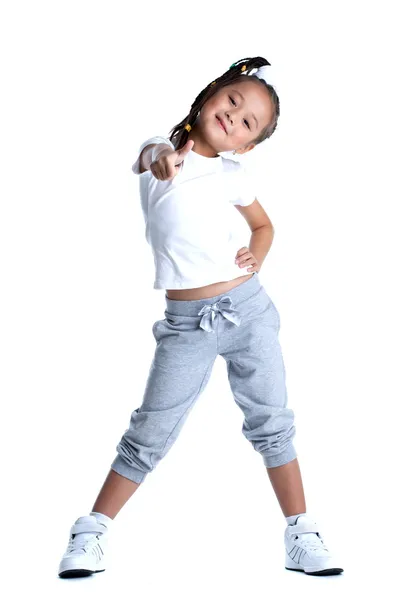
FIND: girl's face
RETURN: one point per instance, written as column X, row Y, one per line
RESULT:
column 232, row 118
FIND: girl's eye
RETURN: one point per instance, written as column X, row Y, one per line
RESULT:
column 232, row 100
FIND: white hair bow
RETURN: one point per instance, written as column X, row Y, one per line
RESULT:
column 263, row 72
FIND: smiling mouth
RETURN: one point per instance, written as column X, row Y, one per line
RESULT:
column 221, row 124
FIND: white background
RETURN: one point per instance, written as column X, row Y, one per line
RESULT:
column 83, row 84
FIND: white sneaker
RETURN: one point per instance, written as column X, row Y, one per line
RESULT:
column 86, row 548
column 306, row 551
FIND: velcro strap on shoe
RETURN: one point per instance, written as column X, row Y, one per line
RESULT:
column 303, row 528
column 88, row 528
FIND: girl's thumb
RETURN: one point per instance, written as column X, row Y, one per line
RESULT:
column 186, row 148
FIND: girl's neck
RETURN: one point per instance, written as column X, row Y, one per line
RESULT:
column 200, row 145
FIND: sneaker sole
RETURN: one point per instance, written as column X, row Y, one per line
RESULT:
column 335, row 571
column 78, row 573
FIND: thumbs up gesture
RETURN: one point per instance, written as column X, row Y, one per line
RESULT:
column 168, row 161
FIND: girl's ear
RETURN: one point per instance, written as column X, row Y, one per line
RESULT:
column 245, row 149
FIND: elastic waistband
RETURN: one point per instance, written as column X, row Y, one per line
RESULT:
column 192, row 307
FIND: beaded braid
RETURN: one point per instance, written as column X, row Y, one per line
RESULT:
column 179, row 133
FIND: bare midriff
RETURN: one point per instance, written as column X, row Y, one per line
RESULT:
column 207, row 291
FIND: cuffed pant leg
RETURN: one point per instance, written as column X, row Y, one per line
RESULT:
column 180, row 370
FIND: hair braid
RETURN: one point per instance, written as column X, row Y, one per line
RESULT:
column 179, row 135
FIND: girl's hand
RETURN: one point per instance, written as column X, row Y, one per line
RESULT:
column 166, row 166
column 245, row 258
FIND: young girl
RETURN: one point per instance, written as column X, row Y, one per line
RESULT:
column 215, row 305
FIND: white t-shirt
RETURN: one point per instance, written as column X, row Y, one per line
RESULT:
column 187, row 219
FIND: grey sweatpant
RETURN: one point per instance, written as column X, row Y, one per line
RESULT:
column 243, row 327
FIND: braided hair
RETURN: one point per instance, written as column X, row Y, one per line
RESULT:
column 179, row 135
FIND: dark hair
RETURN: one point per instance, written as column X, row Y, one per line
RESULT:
column 179, row 135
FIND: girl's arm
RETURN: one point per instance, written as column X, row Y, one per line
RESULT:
column 145, row 158
column 145, row 151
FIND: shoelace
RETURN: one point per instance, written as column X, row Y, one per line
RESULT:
column 82, row 542
column 307, row 531
column 84, row 536
column 313, row 543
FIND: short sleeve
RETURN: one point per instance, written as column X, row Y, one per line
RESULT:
column 153, row 140
column 243, row 192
